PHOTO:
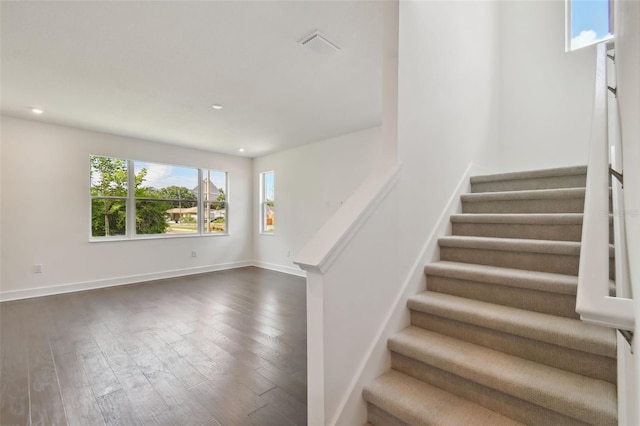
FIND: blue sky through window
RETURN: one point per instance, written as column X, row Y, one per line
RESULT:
column 269, row 188
column 589, row 22
column 164, row 175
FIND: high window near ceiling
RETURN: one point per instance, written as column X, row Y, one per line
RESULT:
column 588, row 22
column 132, row 199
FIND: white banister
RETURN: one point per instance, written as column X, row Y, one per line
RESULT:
column 594, row 304
column 319, row 254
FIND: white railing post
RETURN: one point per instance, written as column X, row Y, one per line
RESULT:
column 315, row 348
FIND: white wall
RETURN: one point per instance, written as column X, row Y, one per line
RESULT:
column 449, row 86
column 45, row 213
column 546, row 93
column 1, row 262
column 311, row 182
column 627, row 27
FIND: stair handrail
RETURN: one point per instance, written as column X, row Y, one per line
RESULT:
column 593, row 302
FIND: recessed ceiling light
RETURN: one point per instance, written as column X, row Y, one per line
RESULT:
column 37, row 110
column 216, row 106
column 241, row 150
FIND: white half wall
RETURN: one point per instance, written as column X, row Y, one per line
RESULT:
column 546, row 93
column 311, row 183
column 46, row 209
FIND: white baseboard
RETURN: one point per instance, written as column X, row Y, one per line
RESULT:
column 376, row 360
column 112, row 282
column 280, row 268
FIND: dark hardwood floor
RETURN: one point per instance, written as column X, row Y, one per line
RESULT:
column 223, row 348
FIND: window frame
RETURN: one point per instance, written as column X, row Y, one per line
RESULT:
column 203, row 201
column 131, row 205
column 264, row 202
column 569, row 30
column 136, row 198
column 126, row 199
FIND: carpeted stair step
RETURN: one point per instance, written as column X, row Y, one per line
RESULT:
column 560, row 257
column 544, row 292
column 563, row 343
column 537, row 226
column 558, row 226
column 397, row 399
column 566, row 200
column 491, row 398
column 566, row 177
column 521, row 389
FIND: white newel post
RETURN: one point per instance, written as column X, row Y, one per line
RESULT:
column 315, row 348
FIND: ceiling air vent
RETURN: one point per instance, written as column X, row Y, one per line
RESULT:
column 318, row 42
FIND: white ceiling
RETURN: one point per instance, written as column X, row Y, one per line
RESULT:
column 152, row 69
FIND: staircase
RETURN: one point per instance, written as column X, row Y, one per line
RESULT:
column 495, row 339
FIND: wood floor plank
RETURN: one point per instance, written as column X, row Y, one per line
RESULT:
column 148, row 403
column 225, row 360
column 171, row 360
column 262, row 349
column 201, row 362
column 117, row 410
column 114, row 353
column 286, row 405
column 44, row 391
column 185, row 408
column 80, row 404
column 294, row 385
column 14, row 380
column 77, row 340
column 228, row 400
column 206, row 331
column 269, row 416
column 145, row 360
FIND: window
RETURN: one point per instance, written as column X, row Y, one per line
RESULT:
column 267, row 200
column 166, row 199
column 588, row 22
column 109, row 194
column 138, row 198
column 214, row 196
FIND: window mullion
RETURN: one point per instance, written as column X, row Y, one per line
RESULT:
column 201, row 209
column 131, row 199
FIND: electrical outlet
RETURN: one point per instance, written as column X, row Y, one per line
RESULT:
column 38, row 269
column 194, row 253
